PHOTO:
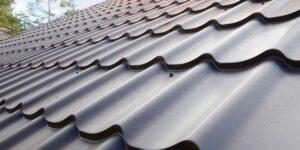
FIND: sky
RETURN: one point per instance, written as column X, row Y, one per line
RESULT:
column 20, row 5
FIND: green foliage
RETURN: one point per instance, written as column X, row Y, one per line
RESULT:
column 7, row 19
column 38, row 11
column 41, row 11
column 68, row 4
column 25, row 20
column 5, row 2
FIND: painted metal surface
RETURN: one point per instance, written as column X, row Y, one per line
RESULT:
column 146, row 74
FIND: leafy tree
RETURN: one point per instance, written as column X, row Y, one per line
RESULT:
column 25, row 20
column 41, row 11
column 7, row 19
column 68, row 5
column 38, row 11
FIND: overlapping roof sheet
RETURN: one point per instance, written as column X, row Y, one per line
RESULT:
column 151, row 74
column 3, row 34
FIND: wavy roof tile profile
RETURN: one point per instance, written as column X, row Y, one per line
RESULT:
column 4, row 34
column 151, row 74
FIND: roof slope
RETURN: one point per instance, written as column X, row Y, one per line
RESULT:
column 3, row 34
column 153, row 74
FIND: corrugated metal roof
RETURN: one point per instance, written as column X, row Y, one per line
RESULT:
column 21, row 133
column 152, row 74
column 3, row 34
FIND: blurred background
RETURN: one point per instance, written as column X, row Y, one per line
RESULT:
column 19, row 15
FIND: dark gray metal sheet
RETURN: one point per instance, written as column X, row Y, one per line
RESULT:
column 156, row 109
column 35, row 134
column 185, row 21
column 231, row 45
column 160, row 6
column 183, row 74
